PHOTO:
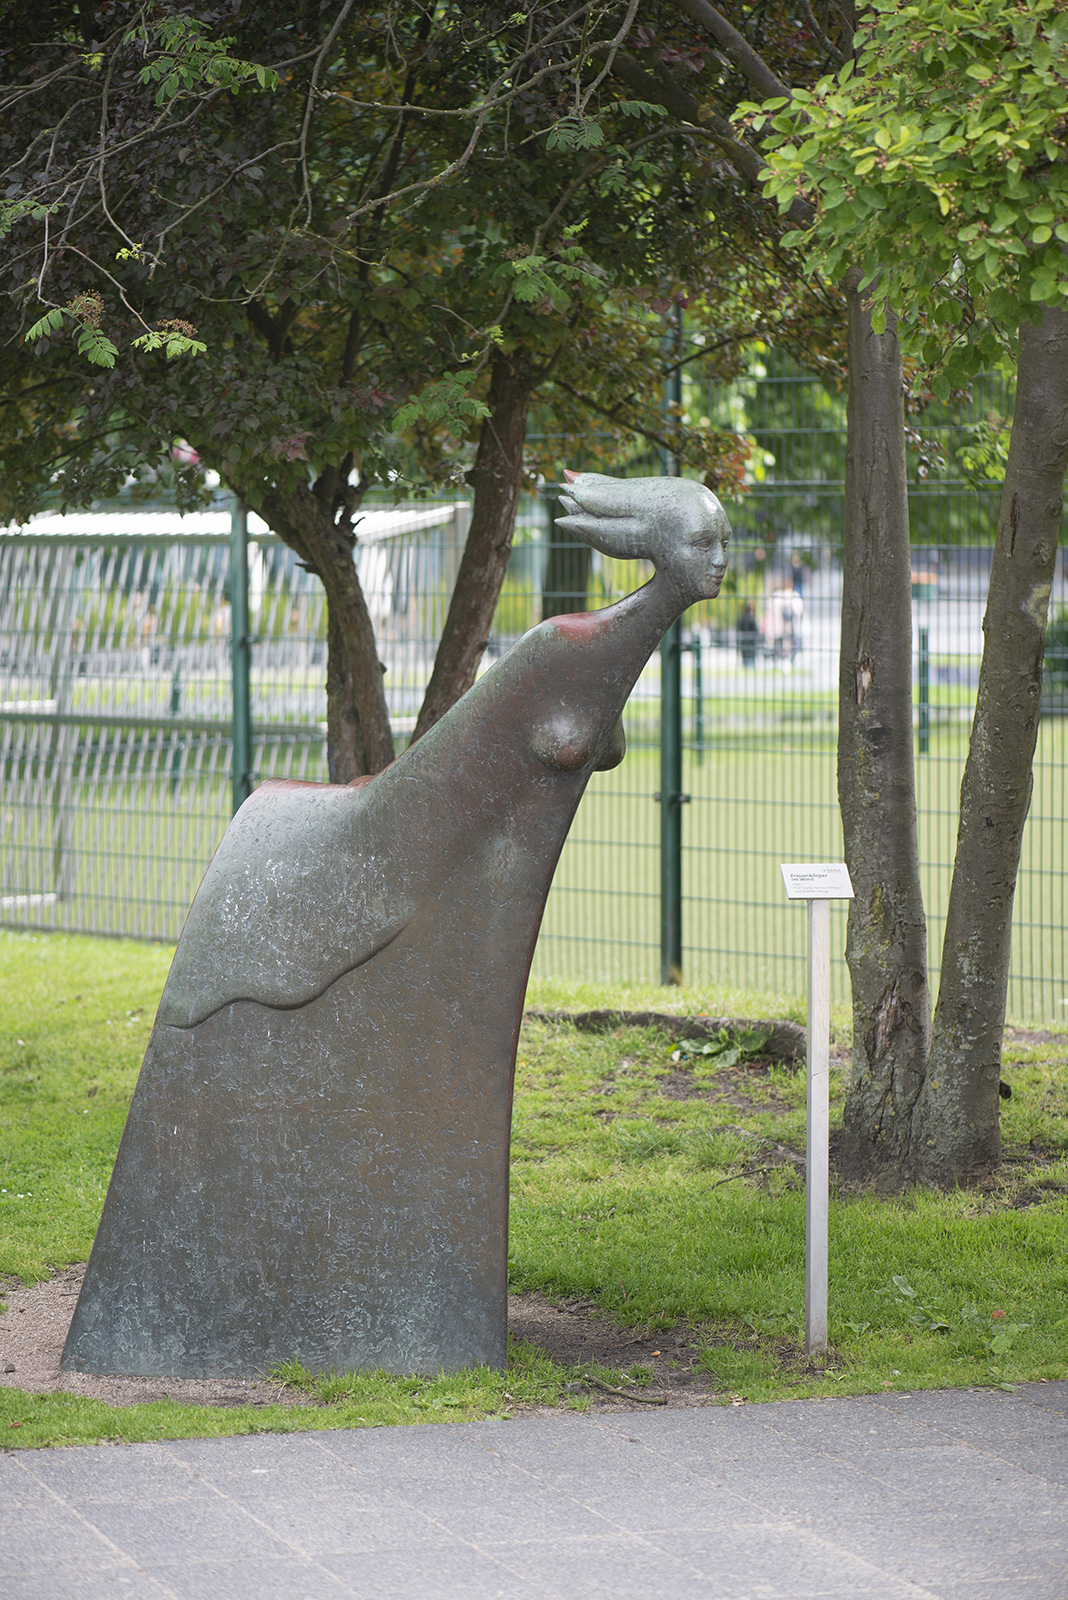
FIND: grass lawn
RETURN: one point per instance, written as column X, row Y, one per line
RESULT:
column 652, row 1188
column 762, row 792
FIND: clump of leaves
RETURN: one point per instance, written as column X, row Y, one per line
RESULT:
column 724, row 1048
column 182, row 60
column 173, row 336
column 85, row 311
column 938, row 169
column 922, row 1315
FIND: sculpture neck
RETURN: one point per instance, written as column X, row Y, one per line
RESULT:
column 634, row 627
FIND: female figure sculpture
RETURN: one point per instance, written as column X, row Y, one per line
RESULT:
column 315, row 1163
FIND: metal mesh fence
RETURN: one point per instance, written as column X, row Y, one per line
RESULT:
column 116, row 695
column 115, row 707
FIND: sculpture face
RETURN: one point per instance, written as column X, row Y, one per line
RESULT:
column 675, row 523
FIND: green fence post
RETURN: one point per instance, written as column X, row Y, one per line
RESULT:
column 697, row 650
column 671, row 796
column 671, row 802
column 925, row 692
column 176, row 743
column 241, row 654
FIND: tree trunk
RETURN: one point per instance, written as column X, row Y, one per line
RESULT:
column 344, row 746
column 359, row 738
column 956, row 1123
column 497, row 478
column 887, row 941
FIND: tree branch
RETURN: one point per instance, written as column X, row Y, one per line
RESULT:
column 664, row 89
column 736, row 48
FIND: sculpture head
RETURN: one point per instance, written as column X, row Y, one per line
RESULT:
column 675, row 523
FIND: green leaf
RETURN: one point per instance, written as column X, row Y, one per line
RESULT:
column 1043, row 287
column 51, row 322
column 639, row 108
column 97, row 347
column 980, row 71
column 575, row 133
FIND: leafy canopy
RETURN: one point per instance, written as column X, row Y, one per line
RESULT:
column 939, row 163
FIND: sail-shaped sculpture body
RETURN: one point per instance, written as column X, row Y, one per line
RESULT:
column 315, row 1163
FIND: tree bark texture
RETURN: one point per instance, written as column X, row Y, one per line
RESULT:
column 956, row 1123
column 887, row 939
column 359, row 737
column 497, row 479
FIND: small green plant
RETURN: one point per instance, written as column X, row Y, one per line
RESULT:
column 921, row 1315
column 1001, row 1345
column 724, row 1048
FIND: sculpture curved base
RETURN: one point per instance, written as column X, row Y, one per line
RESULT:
column 317, row 1183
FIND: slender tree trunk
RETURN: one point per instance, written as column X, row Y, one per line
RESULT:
column 956, row 1137
column 344, row 746
column 497, row 478
column 359, row 738
column 887, row 940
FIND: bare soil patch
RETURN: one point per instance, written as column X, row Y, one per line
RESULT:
column 576, row 1333
column 33, row 1331
column 743, row 1087
column 34, row 1327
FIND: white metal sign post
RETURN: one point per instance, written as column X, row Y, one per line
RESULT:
column 819, row 884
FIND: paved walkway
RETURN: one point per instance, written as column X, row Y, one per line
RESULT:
column 957, row 1494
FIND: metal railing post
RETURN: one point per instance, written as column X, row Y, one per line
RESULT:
column 671, row 802
column 696, row 649
column 241, row 654
column 671, row 796
column 925, row 692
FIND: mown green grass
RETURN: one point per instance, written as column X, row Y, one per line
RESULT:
column 649, row 1215
column 661, row 1211
column 763, row 792
column 767, row 799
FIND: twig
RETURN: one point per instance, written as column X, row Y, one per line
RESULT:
column 626, row 1394
column 746, row 1172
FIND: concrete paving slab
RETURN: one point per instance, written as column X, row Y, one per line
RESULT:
column 134, row 1472
column 281, row 1578
column 457, row 1572
column 957, row 1496
column 991, row 1411
column 334, row 1524
column 70, row 1581
column 777, row 1558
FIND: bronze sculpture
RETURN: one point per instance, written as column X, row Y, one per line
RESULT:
column 315, row 1163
